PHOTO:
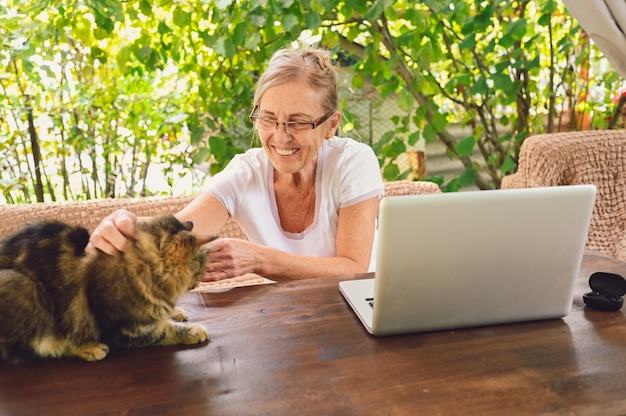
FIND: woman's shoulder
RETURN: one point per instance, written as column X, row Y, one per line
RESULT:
column 343, row 142
column 345, row 145
column 350, row 160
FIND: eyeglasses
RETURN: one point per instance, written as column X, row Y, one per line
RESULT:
column 269, row 125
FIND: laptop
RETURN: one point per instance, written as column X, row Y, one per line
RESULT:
column 466, row 259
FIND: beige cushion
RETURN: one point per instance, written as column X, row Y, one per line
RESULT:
column 597, row 157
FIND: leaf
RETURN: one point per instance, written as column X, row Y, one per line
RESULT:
column 100, row 33
column 437, row 5
column 312, row 20
column 549, row 6
column 105, row 23
column 430, row 134
column 374, row 11
column 163, row 28
column 467, row 178
column 502, row 82
column 506, row 41
column 469, row 42
column 239, row 34
column 387, row 137
column 358, row 81
column 229, row 48
column 405, row 100
column 517, row 29
column 197, row 134
column 223, row 4
column 252, row 41
column 465, row 147
column 202, row 155
column 391, row 172
column 395, row 148
column 387, row 87
column 544, row 20
column 480, row 86
column 98, row 54
column 439, row 122
column 508, row 165
column 123, row 57
column 176, row 118
column 484, row 19
column 145, row 7
column 181, row 17
column 414, row 137
column 289, row 21
column 218, row 146
column 144, row 52
column 218, row 46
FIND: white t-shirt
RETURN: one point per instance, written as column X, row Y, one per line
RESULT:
column 347, row 173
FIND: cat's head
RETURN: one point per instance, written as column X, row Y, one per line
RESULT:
column 175, row 253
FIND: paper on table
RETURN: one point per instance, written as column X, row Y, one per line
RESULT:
column 248, row 279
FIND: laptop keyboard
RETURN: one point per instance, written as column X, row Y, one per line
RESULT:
column 370, row 301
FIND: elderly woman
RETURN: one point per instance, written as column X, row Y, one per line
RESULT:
column 307, row 199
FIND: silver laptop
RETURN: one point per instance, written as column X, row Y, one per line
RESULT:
column 455, row 260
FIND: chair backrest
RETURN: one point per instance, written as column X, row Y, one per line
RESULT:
column 411, row 188
column 597, row 157
column 89, row 213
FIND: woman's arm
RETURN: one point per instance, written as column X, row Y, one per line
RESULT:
column 207, row 214
column 230, row 257
column 355, row 236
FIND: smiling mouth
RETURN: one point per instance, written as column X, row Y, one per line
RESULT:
column 285, row 152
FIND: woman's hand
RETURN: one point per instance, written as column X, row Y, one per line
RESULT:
column 230, row 257
column 112, row 234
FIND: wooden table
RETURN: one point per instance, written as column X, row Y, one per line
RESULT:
column 296, row 348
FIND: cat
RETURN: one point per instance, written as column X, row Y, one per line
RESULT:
column 56, row 301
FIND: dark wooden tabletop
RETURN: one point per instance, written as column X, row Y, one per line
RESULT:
column 296, row 348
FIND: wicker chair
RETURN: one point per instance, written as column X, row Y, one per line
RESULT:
column 89, row 213
column 596, row 157
column 411, row 188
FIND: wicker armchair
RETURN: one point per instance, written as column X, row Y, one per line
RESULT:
column 596, row 157
column 89, row 213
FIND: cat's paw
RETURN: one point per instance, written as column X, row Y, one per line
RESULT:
column 93, row 351
column 195, row 334
column 179, row 314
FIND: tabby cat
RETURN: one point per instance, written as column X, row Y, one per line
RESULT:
column 57, row 301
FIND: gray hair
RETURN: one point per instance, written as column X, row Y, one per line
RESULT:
column 312, row 64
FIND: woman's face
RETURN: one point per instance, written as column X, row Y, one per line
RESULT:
column 292, row 151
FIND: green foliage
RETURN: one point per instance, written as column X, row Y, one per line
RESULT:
column 112, row 90
column 500, row 70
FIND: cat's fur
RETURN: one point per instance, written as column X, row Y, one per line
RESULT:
column 56, row 301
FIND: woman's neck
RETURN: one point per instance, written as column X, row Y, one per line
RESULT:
column 301, row 180
column 295, row 200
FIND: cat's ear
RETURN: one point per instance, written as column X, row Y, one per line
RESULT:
column 79, row 237
column 188, row 225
